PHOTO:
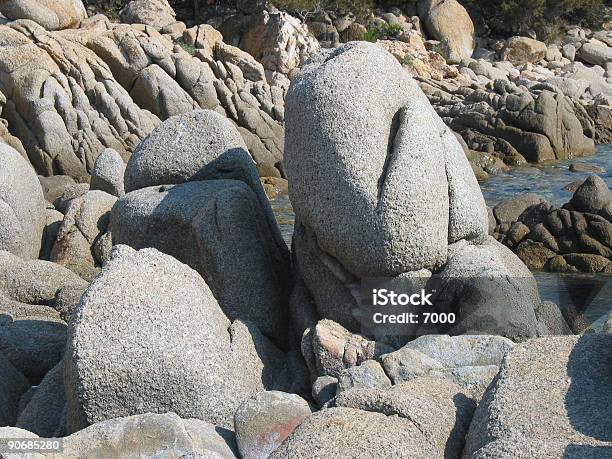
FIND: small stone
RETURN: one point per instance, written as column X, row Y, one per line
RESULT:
column 368, row 375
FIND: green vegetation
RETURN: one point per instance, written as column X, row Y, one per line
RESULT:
column 408, row 60
column 360, row 8
column 371, row 35
column 543, row 16
column 187, row 47
column 393, row 30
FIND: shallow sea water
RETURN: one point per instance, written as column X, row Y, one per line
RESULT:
column 590, row 293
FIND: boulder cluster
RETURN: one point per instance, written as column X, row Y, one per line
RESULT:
column 149, row 306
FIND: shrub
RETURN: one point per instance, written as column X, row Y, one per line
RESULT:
column 359, row 8
column 371, row 35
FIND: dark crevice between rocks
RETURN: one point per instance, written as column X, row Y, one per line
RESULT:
column 391, row 151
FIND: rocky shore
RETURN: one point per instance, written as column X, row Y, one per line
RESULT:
column 149, row 306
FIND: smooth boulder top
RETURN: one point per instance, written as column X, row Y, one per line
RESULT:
column 22, row 205
column 180, row 148
column 373, row 171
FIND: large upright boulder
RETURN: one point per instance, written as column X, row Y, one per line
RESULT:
column 156, row 13
column 449, row 22
column 50, row 14
column 551, row 398
column 148, row 336
column 382, row 188
column 22, row 206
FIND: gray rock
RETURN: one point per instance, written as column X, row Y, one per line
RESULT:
column 509, row 210
column 521, row 50
column 490, row 290
column 218, row 228
column 42, row 415
column 592, row 196
column 473, row 379
column 12, row 386
column 463, row 350
column 550, row 399
column 424, row 418
column 324, row 389
column 263, row 421
column 35, row 281
column 53, row 187
column 22, row 205
column 34, row 345
column 107, row 174
column 595, row 54
column 183, row 148
column 550, row 316
column 151, row 435
column 406, row 364
column 85, row 223
column 70, row 192
column 368, row 375
column 569, row 52
column 148, row 336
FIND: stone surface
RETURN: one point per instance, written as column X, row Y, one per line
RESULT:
column 43, row 413
column 521, row 50
column 424, row 418
column 449, row 22
column 12, row 385
column 22, row 206
column 50, row 14
column 509, row 210
column 219, row 228
column 595, row 54
column 550, row 399
column 324, row 389
column 167, row 346
column 107, row 174
column 592, row 196
column 368, row 375
column 156, row 13
column 81, row 244
column 263, row 421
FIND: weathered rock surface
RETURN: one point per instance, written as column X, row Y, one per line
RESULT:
column 548, row 400
column 43, row 413
column 263, row 421
column 50, row 14
column 146, row 435
column 449, row 22
column 219, row 228
column 167, row 346
column 82, row 243
column 22, row 206
column 108, row 172
column 425, row 418
column 521, row 50
column 12, row 385
column 156, row 13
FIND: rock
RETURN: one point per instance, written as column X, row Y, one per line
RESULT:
column 581, row 167
column 107, row 174
column 185, row 148
column 263, row 421
column 407, row 364
column 549, row 398
column 155, row 13
column 50, row 14
column 70, row 193
column 592, row 196
column 550, row 316
column 332, row 348
column 80, row 239
column 151, row 435
column 595, row 54
column 490, row 290
column 464, row 350
column 569, row 51
column 449, row 22
column 368, row 375
column 22, row 206
column 42, row 415
column 224, row 231
column 138, row 304
column 53, row 187
column 390, row 239
column 522, row 50
column 509, row 210
column 34, row 345
column 425, row 418
column 12, row 385
column 324, row 389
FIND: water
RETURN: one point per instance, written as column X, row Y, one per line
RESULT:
column 549, row 182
